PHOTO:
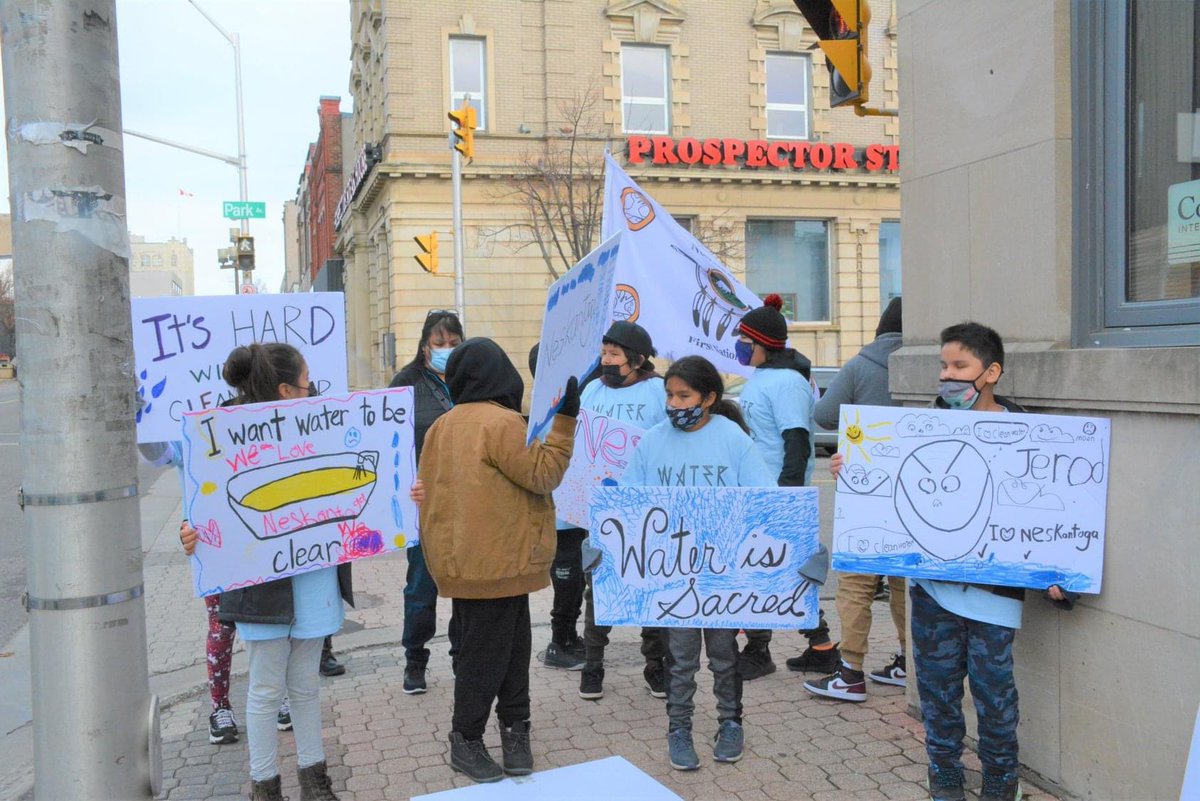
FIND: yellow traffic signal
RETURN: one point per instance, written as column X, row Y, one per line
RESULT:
column 428, row 257
column 841, row 28
column 464, row 130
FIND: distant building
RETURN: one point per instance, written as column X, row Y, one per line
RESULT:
column 161, row 268
column 292, row 268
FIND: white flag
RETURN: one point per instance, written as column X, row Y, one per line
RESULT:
column 669, row 283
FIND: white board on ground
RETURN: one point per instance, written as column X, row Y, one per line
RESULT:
column 1010, row 499
column 278, row 489
column 602, row 780
column 180, row 345
column 578, row 313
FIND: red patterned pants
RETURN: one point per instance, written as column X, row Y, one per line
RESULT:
column 219, row 651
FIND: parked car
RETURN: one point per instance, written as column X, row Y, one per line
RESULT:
column 824, row 440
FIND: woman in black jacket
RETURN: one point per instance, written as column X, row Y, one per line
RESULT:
column 426, row 374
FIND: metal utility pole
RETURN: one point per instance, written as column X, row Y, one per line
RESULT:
column 94, row 720
column 456, row 184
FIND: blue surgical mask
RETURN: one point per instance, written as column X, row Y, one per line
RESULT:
column 744, row 351
column 959, row 394
column 685, row 419
column 438, row 357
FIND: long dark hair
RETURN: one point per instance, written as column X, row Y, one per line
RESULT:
column 699, row 374
column 257, row 370
column 440, row 320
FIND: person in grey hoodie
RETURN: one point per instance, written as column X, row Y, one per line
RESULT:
column 863, row 380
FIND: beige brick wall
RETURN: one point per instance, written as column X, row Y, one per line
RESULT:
column 541, row 54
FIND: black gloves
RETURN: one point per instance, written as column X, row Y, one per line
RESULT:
column 570, row 401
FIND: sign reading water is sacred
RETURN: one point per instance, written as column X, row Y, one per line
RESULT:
column 705, row 557
column 279, row 489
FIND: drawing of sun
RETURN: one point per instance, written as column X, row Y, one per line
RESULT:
column 853, row 433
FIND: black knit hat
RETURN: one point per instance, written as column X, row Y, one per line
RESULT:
column 765, row 325
column 890, row 321
column 632, row 336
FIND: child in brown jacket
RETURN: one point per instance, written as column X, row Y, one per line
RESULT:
column 487, row 530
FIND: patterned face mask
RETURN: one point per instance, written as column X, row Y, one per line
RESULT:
column 685, row 419
column 959, row 394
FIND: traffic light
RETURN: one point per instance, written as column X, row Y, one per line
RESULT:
column 841, row 28
column 245, row 253
column 428, row 257
column 464, row 130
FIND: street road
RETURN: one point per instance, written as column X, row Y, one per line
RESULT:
column 12, row 547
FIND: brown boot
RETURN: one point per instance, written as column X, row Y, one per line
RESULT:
column 315, row 784
column 268, row 790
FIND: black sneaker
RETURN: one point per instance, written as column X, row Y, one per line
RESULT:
column 283, row 720
column 813, row 661
column 894, row 673
column 330, row 666
column 999, row 785
column 514, row 740
column 591, row 683
column 560, row 656
column 472, row 758
column 222, row 728
column 755, row 661
column 946, row 783
column 656, row 678
column 414, row 679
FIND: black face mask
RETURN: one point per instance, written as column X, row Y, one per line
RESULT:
column 611, row 374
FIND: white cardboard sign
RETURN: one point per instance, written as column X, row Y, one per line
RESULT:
column 603, row 446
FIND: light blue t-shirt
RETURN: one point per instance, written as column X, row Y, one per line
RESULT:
column 773, row 401
column 319, row 611
column 643, row 405
column 973, row 603
column 718, row 455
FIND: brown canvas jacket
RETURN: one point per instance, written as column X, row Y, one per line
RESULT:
column 487, row 523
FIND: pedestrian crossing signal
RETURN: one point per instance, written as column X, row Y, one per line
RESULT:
column 464, row 130
column 428, row 258
column 245, row 252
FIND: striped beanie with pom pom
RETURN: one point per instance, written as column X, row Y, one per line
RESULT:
column 765, row 325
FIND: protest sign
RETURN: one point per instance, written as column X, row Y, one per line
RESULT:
column 602, row 449
column 578, row 312
column 180, row 345
column 599, row 780
column 705, row 557
column 669, row 283
column 278, row 489
column 1011, row 499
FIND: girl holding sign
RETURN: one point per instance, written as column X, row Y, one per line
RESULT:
column 704, row 443
column 283, row 622
column 631, row 391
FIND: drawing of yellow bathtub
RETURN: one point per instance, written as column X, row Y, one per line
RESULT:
column 280, row 499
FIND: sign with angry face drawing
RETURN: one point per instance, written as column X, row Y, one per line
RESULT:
column 1008, row 499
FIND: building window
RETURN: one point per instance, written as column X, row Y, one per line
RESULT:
column 790, row 258
column 686, row 221
column 145, row 259
column 174, row 259
column 1137, row 173
column 889, row 262
column 467, row 76
column 788, row 82
column 645, row 81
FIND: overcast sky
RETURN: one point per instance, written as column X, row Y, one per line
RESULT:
column 177, row 82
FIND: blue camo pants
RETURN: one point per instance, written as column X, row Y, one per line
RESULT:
column 946, row 648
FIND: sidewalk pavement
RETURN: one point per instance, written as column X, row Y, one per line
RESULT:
column 383, row 744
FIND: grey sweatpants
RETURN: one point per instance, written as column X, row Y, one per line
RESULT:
column 683, row 660
column 280, row 667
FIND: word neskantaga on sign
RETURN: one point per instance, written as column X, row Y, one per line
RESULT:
column 760, row 153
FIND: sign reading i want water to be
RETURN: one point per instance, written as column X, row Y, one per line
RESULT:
column 180, row 345
column 1012, row 499
column 578, row 313
column 704, row 557
column 278, row 489
column 602, row 449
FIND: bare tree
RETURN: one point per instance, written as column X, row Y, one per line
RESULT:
column 8, row 322
column 560, row 185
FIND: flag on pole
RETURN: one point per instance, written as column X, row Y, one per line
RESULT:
column 668, row 282
column 185, row 194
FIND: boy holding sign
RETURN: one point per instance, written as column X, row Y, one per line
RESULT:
column 964, row 630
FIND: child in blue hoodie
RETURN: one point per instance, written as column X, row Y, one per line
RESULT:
column 702, row 430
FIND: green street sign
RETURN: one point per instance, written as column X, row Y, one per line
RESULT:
column 244, row 210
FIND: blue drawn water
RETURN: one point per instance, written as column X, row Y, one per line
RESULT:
column 1006, row 574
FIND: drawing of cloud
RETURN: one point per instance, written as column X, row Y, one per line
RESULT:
column 1029, row 494
column 920, row 425
column 1045, row 433
column 881, row 449
column 861, row 481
